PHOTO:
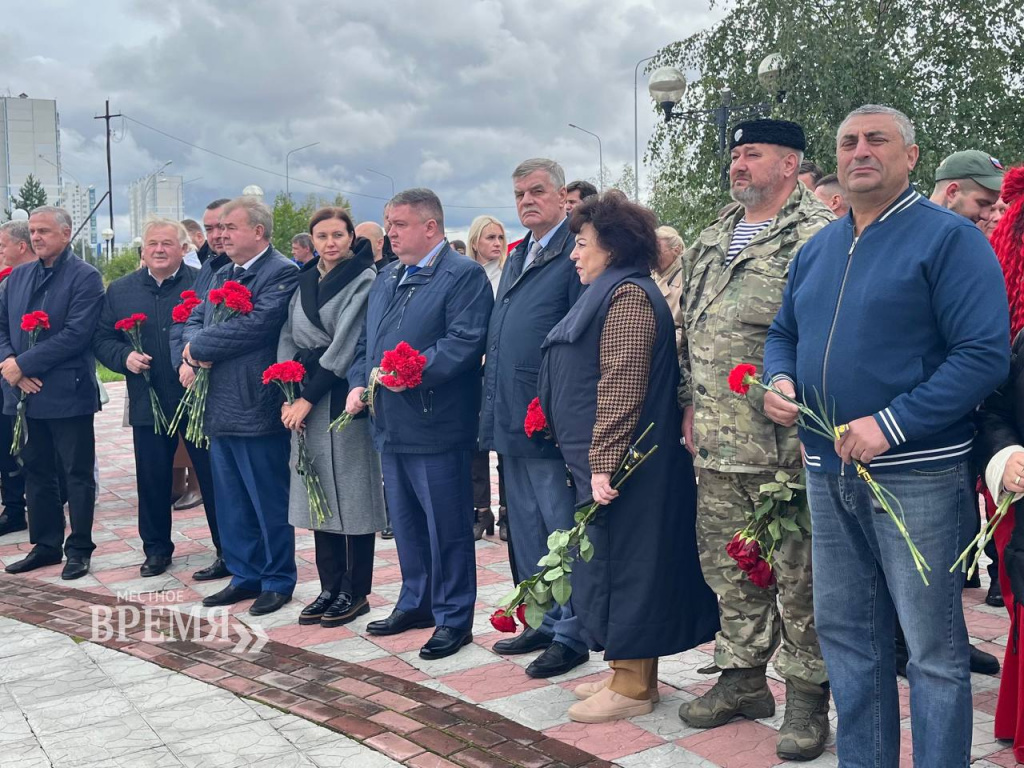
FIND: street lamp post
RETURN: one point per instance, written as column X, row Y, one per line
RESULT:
column 108, row 235
column 636, row 134
column 600, row 154
column 668, row 84
column 287, row 159
column 386, row 177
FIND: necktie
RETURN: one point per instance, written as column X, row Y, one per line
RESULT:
column 410, row 271
column 535, row 249
column 237, row 272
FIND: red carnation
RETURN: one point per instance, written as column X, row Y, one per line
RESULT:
column 42, row 318
column 288, row 372
column 5, row 272
column 183, row 311
column 743, row 551
column 190, row 295
column 233, row 286
column 738, row 377
column 761, row 574
column 502, row 622
column 535, row 421
column 129, row 324
column 402, row 367
column 238, row 302
column 216, row 296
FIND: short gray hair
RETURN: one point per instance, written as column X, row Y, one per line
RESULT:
column 424, row 201
column 553, row 170
column 178, row 227
column 304, row 240
column 61, row 216
column 906, row 128
column 17, row 230
column 258, row 213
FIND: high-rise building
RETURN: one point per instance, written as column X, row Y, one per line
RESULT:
column 29, row 144
column 155, row 196
column 79, row 201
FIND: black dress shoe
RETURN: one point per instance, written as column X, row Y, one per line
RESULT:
column 229, row 596
column 211, row 572
column 995, row 595
column 344, row 609
column 190, row 500
column 983, row 663
column 399, row 621
column 268, row 602
column 444, row 642
column 530, row 640
column 9, row 525
column 387, row 534
column 155, row 565
column 313, row 612
column 34, row 559
column 558, row 659
column 75, row 568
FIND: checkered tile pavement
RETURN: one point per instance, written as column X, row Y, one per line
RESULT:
column 475, row 674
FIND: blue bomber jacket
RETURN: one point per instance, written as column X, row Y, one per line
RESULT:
column 906, row 322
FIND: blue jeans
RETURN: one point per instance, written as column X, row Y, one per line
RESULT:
column 863, row 577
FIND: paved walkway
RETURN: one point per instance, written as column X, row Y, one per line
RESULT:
column 496, row 686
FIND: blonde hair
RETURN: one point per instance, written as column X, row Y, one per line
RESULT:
column 179, row 229
column 670, row 234
column 480, row 223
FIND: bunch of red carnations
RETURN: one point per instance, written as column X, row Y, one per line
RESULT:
column 32, row 323
column 132, row 328
column 401, row 367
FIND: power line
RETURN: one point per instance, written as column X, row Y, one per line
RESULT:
column 284, row 176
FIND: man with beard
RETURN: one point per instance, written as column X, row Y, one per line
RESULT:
column 968, row 183
column 734, row 277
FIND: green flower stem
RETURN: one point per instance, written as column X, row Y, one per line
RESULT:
column 984, row 536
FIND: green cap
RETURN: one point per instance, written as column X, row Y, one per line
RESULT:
column 972, row 164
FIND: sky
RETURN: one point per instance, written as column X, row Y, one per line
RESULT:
column 450, row 94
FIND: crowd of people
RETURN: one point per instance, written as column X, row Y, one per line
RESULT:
column 891, row 306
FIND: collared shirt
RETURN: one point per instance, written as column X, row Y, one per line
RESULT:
column 158, row 281
column 425, row 261
column 252, row 261
column 544, row 240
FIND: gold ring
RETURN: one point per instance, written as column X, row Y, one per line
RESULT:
column 1016, row 480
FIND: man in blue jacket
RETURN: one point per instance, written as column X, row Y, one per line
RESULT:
column 249, row 447
column 538, row 287
column 437, row 301
column 896, row 317
column 58, row 375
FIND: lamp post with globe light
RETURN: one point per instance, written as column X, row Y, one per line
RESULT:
column 108, row 235
column 667, row 85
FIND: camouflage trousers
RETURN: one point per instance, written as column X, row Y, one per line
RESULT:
column 756, row 621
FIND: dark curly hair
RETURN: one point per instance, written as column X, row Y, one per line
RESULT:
column 624, row 229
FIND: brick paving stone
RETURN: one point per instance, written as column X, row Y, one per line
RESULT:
column 476, row 735
column 394, row 746
column 436, row 741
column 605, row 740
column 475, row 758
column 355, row 727
column 436, row 717
column 740, row 744
column 395, row 722
column 427, row 760
column 394, row 701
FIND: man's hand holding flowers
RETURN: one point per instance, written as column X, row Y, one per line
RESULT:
column 354, row 403
column 862, row 441
column 778, row 409
column 137, row 362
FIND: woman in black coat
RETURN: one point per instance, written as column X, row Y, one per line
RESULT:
column 609, row 370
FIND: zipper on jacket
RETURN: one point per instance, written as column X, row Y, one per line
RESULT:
column 835, row 317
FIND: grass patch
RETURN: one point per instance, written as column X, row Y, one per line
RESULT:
column 106, row 375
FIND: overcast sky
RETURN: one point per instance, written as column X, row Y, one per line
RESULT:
column 450, row 94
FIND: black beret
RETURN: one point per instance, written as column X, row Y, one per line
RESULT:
column 780, row 132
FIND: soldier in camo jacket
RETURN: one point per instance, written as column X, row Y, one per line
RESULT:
column 734, row 275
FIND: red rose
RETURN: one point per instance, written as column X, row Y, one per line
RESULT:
column 290, row 371
column 745, row 552
column 502, row 622
column 535, row 420
column 738, row 376
column 761, row 574
column 521, row 614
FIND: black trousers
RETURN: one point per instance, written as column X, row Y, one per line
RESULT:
column 345, row 563
column 12, row 477
column 481, row 472
column 154, row 469
column 55, row 444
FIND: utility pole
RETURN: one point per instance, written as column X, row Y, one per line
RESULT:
column 110, row 178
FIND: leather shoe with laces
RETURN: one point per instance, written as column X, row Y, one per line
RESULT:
column 7, row 525
column 154, row 565
column 530, row 640
column 75, row 568
column 444, row 642
column 216, row 570
column 344, row 609
column 313, row 612
column 268, row 602
column 558, row 659
column 229, row 596
column 34, row 559
column 399, row 621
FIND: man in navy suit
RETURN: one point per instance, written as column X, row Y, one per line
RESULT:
column 58, row 375
column 437, row 301
column 249, row 447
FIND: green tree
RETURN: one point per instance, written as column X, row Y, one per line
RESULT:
column 952, row 66
column 124, row 262
column 30, row 196
column 291, row 219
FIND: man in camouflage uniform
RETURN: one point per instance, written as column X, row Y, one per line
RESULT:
column 734, row 276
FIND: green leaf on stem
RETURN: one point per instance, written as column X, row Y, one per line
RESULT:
column 561, row 590
column 534, row 615
column 553, row 574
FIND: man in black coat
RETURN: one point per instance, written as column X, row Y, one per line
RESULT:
column 249, row 446
column 58, row 375
column 154, row 291
column 538, row 286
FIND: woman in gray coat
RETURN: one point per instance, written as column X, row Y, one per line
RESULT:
column 324, row 321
